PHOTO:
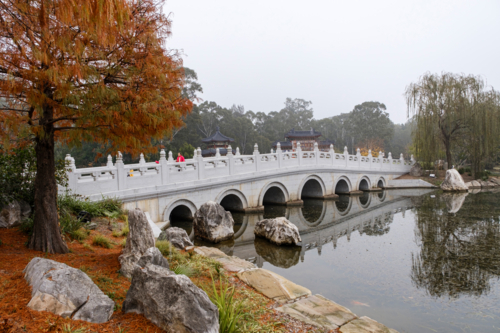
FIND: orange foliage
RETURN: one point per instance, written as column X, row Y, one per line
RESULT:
column 375, row 145
column 88, row 70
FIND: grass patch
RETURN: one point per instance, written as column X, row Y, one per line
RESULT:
column 69, row 329
column 123, row 242
column 80, row 234
column 184, row 270
column 88, row 247
column 231, row 311
column 100, row 240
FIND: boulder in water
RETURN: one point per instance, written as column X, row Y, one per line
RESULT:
column 279, row 231
column 177, row 237
column 213, row 223
column 416, row 170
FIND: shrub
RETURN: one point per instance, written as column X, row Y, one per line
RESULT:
column 68, row 223
column 26, row 226
column 76, row 204
column 461, row 171
column 80, row 234
column 100, row 240
column 231, row 311
column 184, row 270
column 165, row 247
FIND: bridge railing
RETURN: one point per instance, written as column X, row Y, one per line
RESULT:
column 119, row 176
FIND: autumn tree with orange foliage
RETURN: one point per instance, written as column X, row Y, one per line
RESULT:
column 84, row 70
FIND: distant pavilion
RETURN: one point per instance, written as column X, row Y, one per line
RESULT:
column 306, row 140
column 216, row 140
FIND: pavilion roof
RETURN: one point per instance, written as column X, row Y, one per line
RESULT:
column 217, row 137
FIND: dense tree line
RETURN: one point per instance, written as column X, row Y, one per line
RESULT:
column 366, row 126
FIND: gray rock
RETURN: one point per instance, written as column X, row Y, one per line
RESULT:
column 90, row 226
column 416, row 170
column 365, row 324
column 140, row 239
column 10, row 215
column 453, row 182
column 66, row 291
column 213, row 223
column 172, row 302
column 177, row 237
column 153, row 256
column 25, row 209
column 279, row 231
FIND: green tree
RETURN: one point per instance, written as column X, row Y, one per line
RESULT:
column 450, row 107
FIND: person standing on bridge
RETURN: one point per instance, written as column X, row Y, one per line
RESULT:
column 180, row 158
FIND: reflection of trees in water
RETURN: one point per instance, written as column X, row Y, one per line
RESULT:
column 380, row 227
column 343, row 203
column 459, row 252
column 312, row 209
column 279, row 256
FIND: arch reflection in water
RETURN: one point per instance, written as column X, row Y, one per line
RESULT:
column 343, row 204
column 182, row 217
column 365, row 199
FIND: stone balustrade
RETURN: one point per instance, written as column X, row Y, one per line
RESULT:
column 120, row 177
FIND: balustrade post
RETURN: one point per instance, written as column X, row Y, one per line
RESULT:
column 390, row 161
column 164, row 167
column 201, row 164
column 70, row 172
column 381, row 159
column 402, row 159
column 110, row 161
column 278, row 154
column 346, row 155
column 316, row 153
column 332, row 153
column 358, row 157
column 256, row 156
column 299, row 153
column 370, row 158
column 121, row 174
column 230, row 159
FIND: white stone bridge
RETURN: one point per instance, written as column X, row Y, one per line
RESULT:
column 238, row 182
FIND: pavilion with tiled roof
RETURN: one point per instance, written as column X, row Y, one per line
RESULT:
column 306, row 139
column 216, row 140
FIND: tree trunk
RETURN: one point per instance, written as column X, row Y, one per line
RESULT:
column 448, row 152
column 46, row 235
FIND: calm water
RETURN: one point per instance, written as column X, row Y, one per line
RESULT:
column 417, row 261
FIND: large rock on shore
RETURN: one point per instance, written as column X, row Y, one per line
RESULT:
column 10, row 215
column 177, row 237
column 453, row 182
column 140, row 238
column 66, row 291
column 279, row 231
column 213, row 223
column 172, row 302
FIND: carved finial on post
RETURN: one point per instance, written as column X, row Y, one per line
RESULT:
column 412, row 159
column 237, row 151
column 195, row 152
column 298, row 146
column 358, row 152
column 389, row 156
column 217, row 153
column 380, row 155
column 256, row 149
column 119, row 158
column 369, row 153
column 163, row 156
column 331, row 149
column 346, row 152
column 401, row 157
column 170, row 158
column 70, row 162
column 278, row 147
column 229, row 151
column 198, row 152
column 272, row 150
column 141, row 159
column 110, row 161
column 316, row 146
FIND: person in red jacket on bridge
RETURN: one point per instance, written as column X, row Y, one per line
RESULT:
column 180, row 158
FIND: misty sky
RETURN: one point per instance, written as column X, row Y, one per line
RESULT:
column 334, row 53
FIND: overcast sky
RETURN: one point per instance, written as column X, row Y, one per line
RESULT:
column 334, row 53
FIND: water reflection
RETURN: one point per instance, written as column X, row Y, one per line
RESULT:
column 343, row 204
column 460, row 248
column 278, row 256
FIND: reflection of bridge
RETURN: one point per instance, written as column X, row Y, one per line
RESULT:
column 238, row 182
column 367, row 214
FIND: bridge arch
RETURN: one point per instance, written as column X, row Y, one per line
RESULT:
column 232, row 200
column 342, row 185
column 274, row 192
column 364, row 184
column 365, row 200
column 381, row 182
column 182, row 208
column 312, row 187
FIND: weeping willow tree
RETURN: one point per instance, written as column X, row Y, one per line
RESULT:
column 449, row 108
